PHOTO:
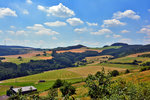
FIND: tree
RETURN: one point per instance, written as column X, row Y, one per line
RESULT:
column 20, row 58
column 67, row 89
column 52, row 93
column 58, row 83
column 114, row 73
column 99, row 87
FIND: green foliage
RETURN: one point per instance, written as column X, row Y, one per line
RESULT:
column 52, row 93
column 145, row 68
column 99, row 87
column 114, row 73
column 127, row 71
column 58, row 83
column 145, row 55
column 67, row 89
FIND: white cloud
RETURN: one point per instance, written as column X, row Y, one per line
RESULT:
column 126, row 14
column 29, row 1
column 1, row 31
column 147, row 26
column 58, row 10
column 125, row 31
column 112, row 23
column 149, row 10
column 91, row 43
column 54, row 38
column 81, row 30
column 102, row 31
column 25, row 12
column 116, row 36
column 144, row 30
column 41, row 30
column 125, row 40
column 92, row 24
column 57, row 23
column 107, row 36
column 74, row 21
column 12, row 27
column 19, row 32
column 7, row 12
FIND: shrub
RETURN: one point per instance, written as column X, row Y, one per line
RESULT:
column 114, row 73
column 58, row 83
column 127, row 71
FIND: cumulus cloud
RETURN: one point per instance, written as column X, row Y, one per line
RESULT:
column 125, row 31
column 144, row 30
column 81, row 30
column 92, row 24
column 126, row 14
column 1, row 31
column 18, row 32
column 58, row 10
column 112, row 23
column 102, row 31
column 41, row 30
column 116, row 36
column 25, row 12
column 29, row 1
column 56, row 24
column 74, row 21
column 7, row 12
column 54, row 38
column 125, row 40
column 12, row 27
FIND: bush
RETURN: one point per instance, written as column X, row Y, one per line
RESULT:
column 114, row 73
column 58, row 83
column 127, row 71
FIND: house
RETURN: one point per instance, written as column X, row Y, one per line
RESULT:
column 23, row 90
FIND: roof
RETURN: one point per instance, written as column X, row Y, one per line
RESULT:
column 25, row 89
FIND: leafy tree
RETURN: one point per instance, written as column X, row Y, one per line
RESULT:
column 52, row 93
column 127, row 71
column 58, row 83
column 99, row 87
column 20, row 58
column 67, row 89
column 114, row 73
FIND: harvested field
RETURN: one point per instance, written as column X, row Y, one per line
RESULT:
column 137, row 54
column 78, row 50
column 28, row 55
column 45, row 58
column 85, row 71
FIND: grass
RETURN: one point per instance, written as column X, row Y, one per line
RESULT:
column 105, row 48
column 48, row 76
column 18, row 61
column 119, row 66
column 40, row 86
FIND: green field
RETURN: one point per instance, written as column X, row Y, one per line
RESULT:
column 105, row 48
column 48, row 76
column 130, row 59
column 119, row 66
column 18, row 61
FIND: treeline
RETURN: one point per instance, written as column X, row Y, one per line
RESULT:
column 69, row 47
column 59, row 61
column 13, row 50
column 126, row 50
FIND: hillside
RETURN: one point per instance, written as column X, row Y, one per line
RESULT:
column 14, row 50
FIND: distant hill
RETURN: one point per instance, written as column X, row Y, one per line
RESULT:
column 126, row 50
column 69, row 47
column 119, row 44
column 13, row 50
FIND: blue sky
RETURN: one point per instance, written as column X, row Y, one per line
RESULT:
column 54, row 23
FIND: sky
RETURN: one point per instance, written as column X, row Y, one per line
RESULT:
column 59, row 23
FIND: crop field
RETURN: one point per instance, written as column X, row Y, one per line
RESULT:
column 92, row 69
column 105, row 48
column 137, row 77
column 124, row 66
column 130, row 59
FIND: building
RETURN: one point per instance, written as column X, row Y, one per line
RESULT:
column 23, row 90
